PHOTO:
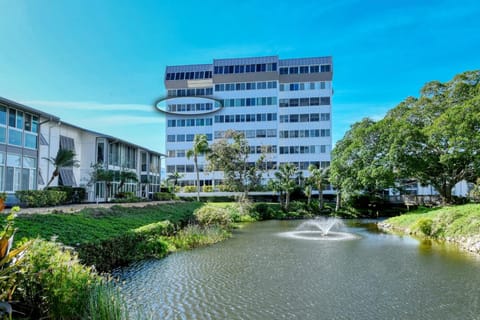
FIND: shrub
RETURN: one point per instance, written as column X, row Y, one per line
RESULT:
column 264, row 211
column 140, row 243
column 125, row 195
column 207, row 189
column 189, row 189
column 74, row 194
column 163, row 196
column 194, row 236
column 51, row 283
column 211, row 216
column 425, row 226
column 41, row 198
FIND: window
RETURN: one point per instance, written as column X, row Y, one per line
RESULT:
column 171, row 138
column 271, row 133
column 15, row 137
column 3, row 134
column 180, row 138
column 325, row 116
column 261, row 133
column 30, row 141
column 3, row 115
column 324, row 101
column 283, row 70
column 325, row 68
column 314, row 117
column 303, row 69
column 314, row 69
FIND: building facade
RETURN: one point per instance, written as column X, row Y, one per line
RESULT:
column 28, row 136
column 282, row 106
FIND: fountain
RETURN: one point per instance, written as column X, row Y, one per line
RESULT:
column 320, row 229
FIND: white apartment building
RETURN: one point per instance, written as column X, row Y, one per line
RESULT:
column 28, row 135
column 282, row 106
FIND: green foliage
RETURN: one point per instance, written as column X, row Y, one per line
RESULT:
column 52, row 283
column 285, row 182
column 433, row 139
column 231, row 156
column 189, row 189
column 194, row 236
column 41, row 198
column 73, row 194
column 208, row 216
column 207, row 188
column 475, row 192
column 264, row 211
column 106, row 303
column 163, row 196
column 200, row 146
column 452, row 221
column 125, row 195
column 63, row 159
column 424, row 225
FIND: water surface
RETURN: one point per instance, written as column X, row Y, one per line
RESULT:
column 261, row 274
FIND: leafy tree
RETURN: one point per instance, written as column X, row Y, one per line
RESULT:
column 100, row 174
column 125, row 176
column 63, row 159
column 286, row 176
column 318, row 177
column 433, row 139
column 200, row 146
column 231, row 155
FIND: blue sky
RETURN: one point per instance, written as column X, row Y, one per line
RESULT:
column 100, row 64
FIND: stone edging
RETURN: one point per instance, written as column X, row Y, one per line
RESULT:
column 470, row 244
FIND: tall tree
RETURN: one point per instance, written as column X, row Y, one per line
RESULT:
column 231, row 155
column 319, row 178
column 286, row 176
column 200, row 146
column 63, row 159
column 100, row 174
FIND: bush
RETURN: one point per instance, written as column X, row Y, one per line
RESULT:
column 140, row 243
column 41, row 198
column 425, row 226
column 74, row 194
column 163, row 196
column 213, row 216
column 194, row 236
column 51, row 283
column 264, row 211
column 125, row 195
column 207, row 189
column 189, row 189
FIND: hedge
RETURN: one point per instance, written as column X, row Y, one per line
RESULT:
column 41, row 198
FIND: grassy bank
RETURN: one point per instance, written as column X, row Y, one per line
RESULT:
column 53, row 281
column 458, row 224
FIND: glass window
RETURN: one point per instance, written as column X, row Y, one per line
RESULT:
column 30, row 141
column 15, row 137
column 3, row 115
column 293, row 70
column 283, row 70
column 3, row 137
column 12, row 117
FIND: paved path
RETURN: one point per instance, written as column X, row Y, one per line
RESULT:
column 78, row 207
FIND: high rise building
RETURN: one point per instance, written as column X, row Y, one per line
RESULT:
column 283, row 107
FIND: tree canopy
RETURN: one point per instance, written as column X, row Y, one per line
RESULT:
column 434, row 139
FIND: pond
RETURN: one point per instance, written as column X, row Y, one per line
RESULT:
column 267, row 272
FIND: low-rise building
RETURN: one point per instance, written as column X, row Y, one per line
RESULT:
column 28, row 136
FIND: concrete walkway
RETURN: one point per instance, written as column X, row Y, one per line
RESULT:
column 78, row 207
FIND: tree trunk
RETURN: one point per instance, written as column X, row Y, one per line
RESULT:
column 195, row 160
column 287, row 200
column 309, row 198
column 55, row 174
column 320, row 197
column 338, row 204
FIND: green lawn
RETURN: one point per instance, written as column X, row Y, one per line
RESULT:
column 452, row 221
column 99, row 224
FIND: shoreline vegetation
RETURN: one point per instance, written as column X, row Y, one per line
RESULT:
column 459, row 225
column 65, row 272
column 66, row 259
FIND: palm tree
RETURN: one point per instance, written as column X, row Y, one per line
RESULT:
column 286, row 176
column 63, row 159
column 174, row 177
column 200, row 146
column 319, row 177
